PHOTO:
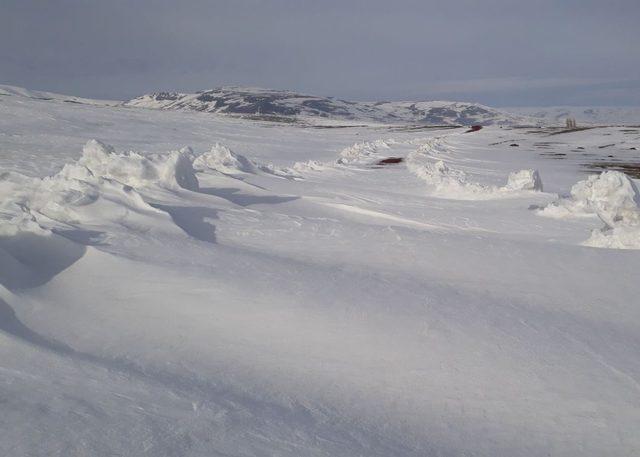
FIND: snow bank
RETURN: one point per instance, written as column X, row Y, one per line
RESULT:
column 101, row 189
column 221, row 159
column 447, row 182
column 173, row 169
column 101, row 186
column 33, row 204
column 362, row 152
column 611, row 196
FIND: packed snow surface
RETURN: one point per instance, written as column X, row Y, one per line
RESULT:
column 175, row 283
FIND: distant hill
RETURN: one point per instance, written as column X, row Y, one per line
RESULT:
column 601, row 115
column 8, row 91
column 263, row 102
column 288, row 105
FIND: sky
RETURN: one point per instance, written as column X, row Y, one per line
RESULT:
column 496, row 52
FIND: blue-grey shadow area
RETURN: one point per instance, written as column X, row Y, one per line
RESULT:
column 234, row 195
column 192, row 220
column 29, row 260
column 9, row 323
column 80, row 236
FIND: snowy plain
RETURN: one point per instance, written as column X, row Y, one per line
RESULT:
column 273, row 290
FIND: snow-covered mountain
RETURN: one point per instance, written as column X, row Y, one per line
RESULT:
column 264, row 102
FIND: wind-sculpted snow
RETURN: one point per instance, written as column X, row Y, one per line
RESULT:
column 612, row 197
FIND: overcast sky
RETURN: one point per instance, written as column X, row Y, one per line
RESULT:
column 497, row 52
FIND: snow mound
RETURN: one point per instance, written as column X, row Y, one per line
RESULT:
column 524, row 180
column 172, row 170
column 611, row 196
column 362, row 152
